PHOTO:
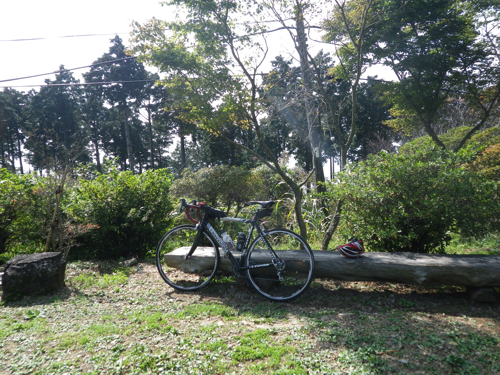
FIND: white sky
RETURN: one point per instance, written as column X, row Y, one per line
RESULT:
column 27, row 19
column 53, row 19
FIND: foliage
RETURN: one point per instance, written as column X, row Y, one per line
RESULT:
column 53, row 132
column 412, row 202
column 488, row 163
column 17, row 202
column 130, row 212
column 452, row 138
column 435, row 48
column 27, row 209
column 221, row 184
column 12, row 125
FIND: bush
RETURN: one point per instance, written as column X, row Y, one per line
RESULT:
column 452, row 138
column 412, row 202
column 220, row 186
column 20, row 210
column 129, row 212
column 228, row 188
column 488, row 163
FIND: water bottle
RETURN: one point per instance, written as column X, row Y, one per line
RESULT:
column 227, row 240
column 240, row 241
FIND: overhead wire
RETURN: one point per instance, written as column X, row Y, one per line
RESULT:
column 57, row 37
column 86, row 83
column 58, row 71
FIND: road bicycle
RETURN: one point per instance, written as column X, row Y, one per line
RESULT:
column 278, row 263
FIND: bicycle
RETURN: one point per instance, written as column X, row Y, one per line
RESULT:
column 278, row 263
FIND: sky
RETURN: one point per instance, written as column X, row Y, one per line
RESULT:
column 55, row 28
column 53, row 20
column 53, row 23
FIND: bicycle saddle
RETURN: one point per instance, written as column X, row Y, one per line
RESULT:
column 263, row 204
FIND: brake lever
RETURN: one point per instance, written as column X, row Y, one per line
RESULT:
column 183, row 203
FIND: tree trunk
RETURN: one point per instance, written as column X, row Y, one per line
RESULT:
column 150, row 131
column 182, row 150
column 406, row 268
column 332, row 227
column 20, row 153
column 96, row 146
column 128, row 140
column 313, row 131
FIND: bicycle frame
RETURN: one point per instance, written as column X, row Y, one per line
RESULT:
column 238, row 265
column 266, row 259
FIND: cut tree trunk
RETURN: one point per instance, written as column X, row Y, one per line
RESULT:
column 406, row 268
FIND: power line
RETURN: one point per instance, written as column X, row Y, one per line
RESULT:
column 85, row 83
column 58, row 37
column 57, row 71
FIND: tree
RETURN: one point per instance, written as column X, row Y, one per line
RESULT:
column 348, row 27
column 13, row 119
column 54, row 133
column 284, row 103
column 211, row 62
column 439, row 49
column 125, row 89
column 95, row 115
column 413, row 202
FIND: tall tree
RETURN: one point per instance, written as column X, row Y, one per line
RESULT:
column 125, row 80
column 95, row 116
column 293, row 17
column 438, row 49
column 348, row 27
column 13, row 119
column 55, row 137
column 284, row 101
column 210, row 60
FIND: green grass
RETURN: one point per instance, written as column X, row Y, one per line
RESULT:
column 92, row 279
column 140, row 326
column 489, row 245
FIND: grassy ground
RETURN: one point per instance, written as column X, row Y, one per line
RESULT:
column 113, row 320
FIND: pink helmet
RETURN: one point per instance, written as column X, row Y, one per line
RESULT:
column 353, row 249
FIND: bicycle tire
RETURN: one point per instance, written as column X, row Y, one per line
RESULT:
column 187, row 273
column 297, row 265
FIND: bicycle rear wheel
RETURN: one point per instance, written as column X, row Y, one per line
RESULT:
column 288, row 276
column 181, row 273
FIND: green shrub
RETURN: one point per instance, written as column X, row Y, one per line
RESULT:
column 219, row 186
column 20, row 210
column 228, row 188
column 412, row 202
column 128, row 212
column 488, row 163
column 452, row 138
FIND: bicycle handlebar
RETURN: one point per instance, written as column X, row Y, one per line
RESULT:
column 266, row 208
column 193, row 205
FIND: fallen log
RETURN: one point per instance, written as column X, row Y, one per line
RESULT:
column 478, row 271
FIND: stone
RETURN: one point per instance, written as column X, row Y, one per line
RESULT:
column 33, row 275
column 131, row 262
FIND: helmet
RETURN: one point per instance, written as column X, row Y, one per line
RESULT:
column 353, row 249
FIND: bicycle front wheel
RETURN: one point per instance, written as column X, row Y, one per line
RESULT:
column 287, row 276
column 186, row 274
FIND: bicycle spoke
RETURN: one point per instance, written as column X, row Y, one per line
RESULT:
column 288, row 275
column 181, row 273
